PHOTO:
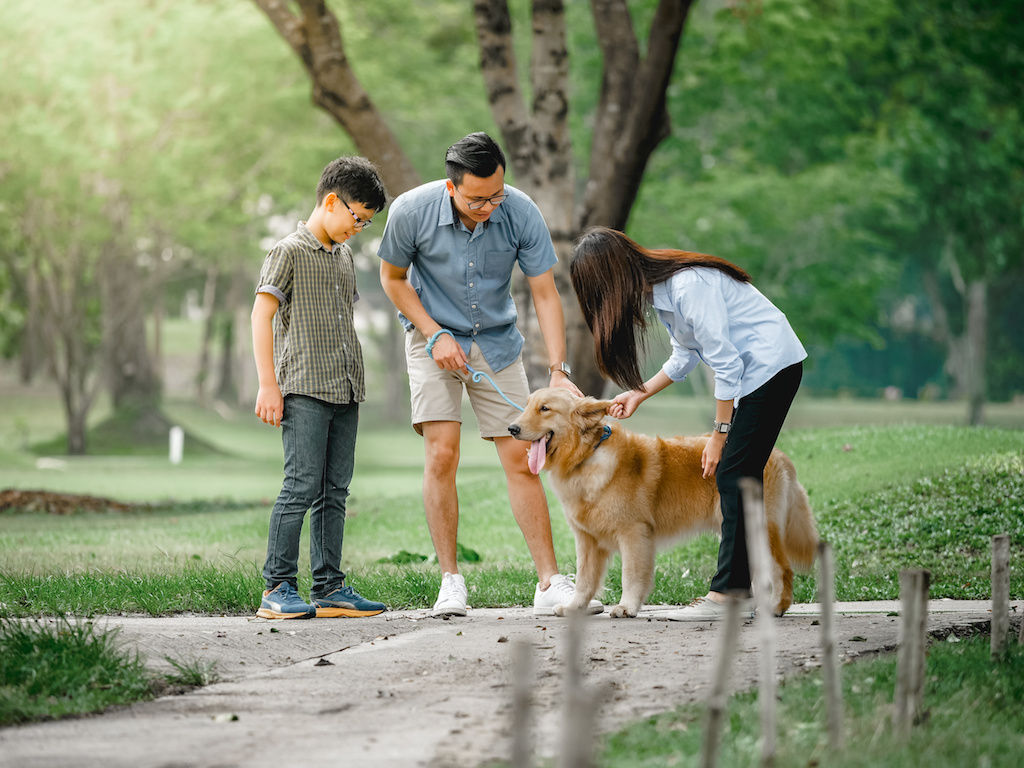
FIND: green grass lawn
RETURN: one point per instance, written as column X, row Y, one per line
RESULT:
column 889, row 495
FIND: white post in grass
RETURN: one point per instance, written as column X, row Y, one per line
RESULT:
column 522, row 685
column 719, row 696
column 177, row 447
column 910, row 658
column 1000, row 595
column 761, row 577
column 829, row 649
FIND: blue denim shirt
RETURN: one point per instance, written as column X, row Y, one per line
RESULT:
column 727, row 324
column 464, row 278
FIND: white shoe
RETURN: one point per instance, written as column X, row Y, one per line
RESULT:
column 451, row 600
column 706, row 609
column 559, row 592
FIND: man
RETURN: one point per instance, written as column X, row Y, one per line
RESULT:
column 447, row 256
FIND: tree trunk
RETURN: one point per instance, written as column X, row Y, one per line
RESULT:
column 976, row 335
column 630, row 122
column 209, row 316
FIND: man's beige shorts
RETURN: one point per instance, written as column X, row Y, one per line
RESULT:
column 437, row 393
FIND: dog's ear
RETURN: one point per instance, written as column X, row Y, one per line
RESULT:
column 591, row 409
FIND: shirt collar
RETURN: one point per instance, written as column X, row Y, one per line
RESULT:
column 312, row 240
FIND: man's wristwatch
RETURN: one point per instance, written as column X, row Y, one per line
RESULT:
column 562, row 366
column 723, row 427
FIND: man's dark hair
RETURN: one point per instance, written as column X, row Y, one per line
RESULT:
column 354, row 180
column 477, row 154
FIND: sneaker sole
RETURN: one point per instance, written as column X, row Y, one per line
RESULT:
column 266, row 613
column 591, row 610
column 440, row 613
column 344, row 613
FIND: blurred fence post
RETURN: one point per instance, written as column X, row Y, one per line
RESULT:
column 1000, row 595
column 761, row 577
column 719, row 695
column 581, row 703
column 522, row 684
column 176, row 438
column 911, row 655
column 829, row 650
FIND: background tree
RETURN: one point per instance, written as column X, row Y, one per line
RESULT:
column 629, row 122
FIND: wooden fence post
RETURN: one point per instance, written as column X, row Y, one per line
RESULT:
column 761, row 573
column 911, row 655
column 719, row 695
column 581, row 704
column 829, row 649
column 1000, row 595
column 522, row 684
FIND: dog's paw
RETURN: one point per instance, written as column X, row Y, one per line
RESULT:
column 621, row 612
column 559, row 610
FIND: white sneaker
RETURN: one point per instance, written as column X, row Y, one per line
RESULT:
column 451, row 600
column 706, row 609
column 560, row 592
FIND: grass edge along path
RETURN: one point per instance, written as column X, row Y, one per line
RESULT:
column 973, row 716
column 66, row 667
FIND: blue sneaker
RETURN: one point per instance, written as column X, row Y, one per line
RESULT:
column 345, row 601
column 283, row 602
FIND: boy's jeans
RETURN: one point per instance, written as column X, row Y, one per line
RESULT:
column 319, row 453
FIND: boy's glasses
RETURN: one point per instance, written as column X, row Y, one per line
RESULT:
column 360, row 223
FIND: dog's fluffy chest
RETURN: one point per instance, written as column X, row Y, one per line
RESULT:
column 588, row 481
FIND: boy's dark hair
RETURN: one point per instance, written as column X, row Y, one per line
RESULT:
column 354, row 180
column 477, row 154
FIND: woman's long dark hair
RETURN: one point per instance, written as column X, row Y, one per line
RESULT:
column 612, row 276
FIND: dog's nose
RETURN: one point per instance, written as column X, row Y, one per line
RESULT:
column 514, row 429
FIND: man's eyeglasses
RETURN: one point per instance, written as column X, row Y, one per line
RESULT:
column 476, row 205
column 359, row 223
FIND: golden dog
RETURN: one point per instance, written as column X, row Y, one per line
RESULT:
column 629, row 492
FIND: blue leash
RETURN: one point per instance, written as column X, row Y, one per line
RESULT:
column 477, row 376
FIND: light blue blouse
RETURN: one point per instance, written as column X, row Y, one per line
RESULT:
column 727, row 324
column 464, row 278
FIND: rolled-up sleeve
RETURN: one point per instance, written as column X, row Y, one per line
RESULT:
column 682, row 361
column 277, row 274
column 536, row 252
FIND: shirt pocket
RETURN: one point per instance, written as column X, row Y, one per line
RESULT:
column 498, row 265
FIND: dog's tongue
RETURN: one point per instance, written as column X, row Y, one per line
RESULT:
column 537, row 455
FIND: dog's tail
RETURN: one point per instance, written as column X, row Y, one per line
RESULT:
column 801, row 536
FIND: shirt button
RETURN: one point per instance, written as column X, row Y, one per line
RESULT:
column 474, row 306
column 476, row 325
column 470, row 285
column 471, row 263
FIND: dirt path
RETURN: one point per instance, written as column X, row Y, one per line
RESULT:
column 402, row 689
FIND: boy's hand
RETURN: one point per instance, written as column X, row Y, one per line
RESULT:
column 270, row 405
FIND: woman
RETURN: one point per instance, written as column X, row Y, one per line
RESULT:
column 713, row 314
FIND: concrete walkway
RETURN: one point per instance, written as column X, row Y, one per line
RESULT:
column 404, row 689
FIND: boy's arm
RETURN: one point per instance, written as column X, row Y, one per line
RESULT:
column 552, row 325
column 269, row 403
column 446, row 351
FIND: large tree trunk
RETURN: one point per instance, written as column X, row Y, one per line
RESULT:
column 630, row 122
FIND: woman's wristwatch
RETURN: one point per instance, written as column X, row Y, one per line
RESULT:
column 723, row 427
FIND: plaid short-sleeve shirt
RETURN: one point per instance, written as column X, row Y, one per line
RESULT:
column 316, row 351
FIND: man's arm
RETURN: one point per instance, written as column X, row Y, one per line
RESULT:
column 269, row 403
column 552, row 325
column 447, row 352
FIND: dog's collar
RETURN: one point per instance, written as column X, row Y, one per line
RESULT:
column 605, row 434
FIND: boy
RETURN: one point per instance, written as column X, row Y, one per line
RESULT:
column 310, row 369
